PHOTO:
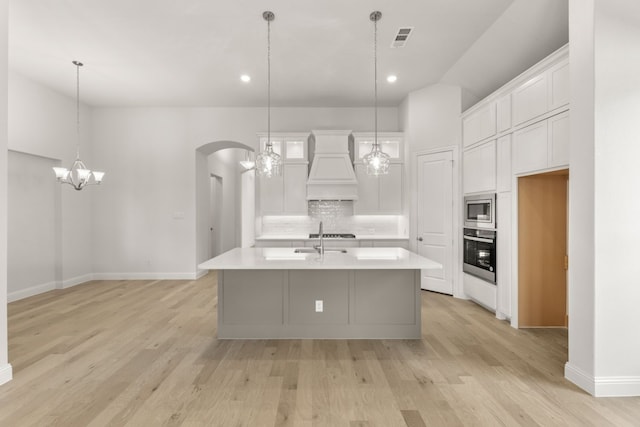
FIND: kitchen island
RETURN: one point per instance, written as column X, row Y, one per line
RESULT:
column 298, row 293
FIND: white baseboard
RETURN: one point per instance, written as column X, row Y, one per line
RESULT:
column 31, row 291
column 620, row 386
column 201, row 273
column 6, row 373
column 617, row 386
column 580, row 378
column 78, row 280
column 144, row 276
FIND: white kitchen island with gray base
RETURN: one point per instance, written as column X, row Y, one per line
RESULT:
column 278, row 293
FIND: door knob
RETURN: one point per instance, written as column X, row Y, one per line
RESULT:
column 420, row 239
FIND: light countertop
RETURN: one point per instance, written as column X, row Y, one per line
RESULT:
column 305, row 237
column 286, row 259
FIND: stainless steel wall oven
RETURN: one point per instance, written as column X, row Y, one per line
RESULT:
column 480, row 253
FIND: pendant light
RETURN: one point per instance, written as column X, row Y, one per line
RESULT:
column 78, row 176
column 377, row 161
column 268, row 163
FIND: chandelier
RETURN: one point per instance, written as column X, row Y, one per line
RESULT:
column 78, row 176
column 268, row 163
column 377, row 161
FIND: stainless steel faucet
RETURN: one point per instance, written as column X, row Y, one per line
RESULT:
column 320, row 248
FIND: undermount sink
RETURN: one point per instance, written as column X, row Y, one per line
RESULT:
column 315, row 251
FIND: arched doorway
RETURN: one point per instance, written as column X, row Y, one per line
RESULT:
column 225, row 199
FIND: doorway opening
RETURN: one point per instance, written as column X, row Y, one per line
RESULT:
column 216, row 209
column 542, row 249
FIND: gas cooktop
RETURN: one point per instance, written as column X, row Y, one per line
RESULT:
column 333, row 236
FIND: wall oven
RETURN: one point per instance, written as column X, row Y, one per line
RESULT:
column 480, row 253
column 480, row 211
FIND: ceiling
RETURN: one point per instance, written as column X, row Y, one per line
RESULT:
column 192, row 52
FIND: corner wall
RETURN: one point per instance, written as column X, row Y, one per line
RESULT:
column 605, row 105
column 5, row 368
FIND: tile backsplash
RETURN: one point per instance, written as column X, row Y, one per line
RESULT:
column 337, row 217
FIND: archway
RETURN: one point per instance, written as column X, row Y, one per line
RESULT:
column 225, row 196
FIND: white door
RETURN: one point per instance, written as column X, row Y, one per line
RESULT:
column 435, row 219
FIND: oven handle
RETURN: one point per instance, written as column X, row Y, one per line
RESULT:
column 478, row 239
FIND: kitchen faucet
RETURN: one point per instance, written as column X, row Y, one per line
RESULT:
column 320, row 248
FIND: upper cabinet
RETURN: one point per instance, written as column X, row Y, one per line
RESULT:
column 286, row 194
column 479, row 125
column 392, row 143
column 479, row 165
column 543, row 93
column 292, row 146
column 542, row 145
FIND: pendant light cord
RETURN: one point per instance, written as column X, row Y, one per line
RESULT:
column 268, row 83
column 78, row 64
column 375, row 81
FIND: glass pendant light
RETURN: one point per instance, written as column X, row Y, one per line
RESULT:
column 268, row 163
column 377, row 161
column 78, row 176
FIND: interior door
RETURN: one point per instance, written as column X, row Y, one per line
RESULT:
column 435, row 219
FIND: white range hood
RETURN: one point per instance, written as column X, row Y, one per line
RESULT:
column 332, row 176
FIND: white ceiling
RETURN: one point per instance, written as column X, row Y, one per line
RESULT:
column 192, row 52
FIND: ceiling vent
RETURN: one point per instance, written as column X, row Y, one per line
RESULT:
column 402, row 36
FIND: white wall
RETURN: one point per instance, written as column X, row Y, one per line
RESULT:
column 5, row 367
column 33, row 259
column 43, row 123
column 604, row 349
column 152, row 170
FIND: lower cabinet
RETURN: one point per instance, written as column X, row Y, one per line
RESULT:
column 482, row 292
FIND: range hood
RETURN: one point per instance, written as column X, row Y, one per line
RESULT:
column 332, row 176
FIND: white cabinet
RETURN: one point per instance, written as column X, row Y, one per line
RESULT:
column 380, row 194
column 295, row 189
column 503, row 106
column 479, row 125
column 542, row 145
column 530, row 99
column 286, row 194
column 542, row 93
column 392, row 143
column 559, row 90
column 503, row 249
column 503, row 170
column 558, row 145
column 480, row 168
column 530, row 148
column 271, row 195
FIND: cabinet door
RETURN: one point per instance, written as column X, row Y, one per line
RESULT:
column 271, row 195
column 558, row 148
column 479, row 125
column 480, row 168
column 504, row 164
column 390, row 191
column 295, row 189
column 368, row 190
column 530, row 148
column 503, row 249
column 530, row 100
column 559, row 90
column 504, row 113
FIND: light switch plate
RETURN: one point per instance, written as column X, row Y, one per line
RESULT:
column 319, row 306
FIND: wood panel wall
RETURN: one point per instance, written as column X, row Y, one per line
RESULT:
column 542, row 248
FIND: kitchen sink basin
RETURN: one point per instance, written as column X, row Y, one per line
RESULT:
column 315, row 251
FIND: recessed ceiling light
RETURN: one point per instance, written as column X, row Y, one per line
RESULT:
column 392, row 78
column 245, row 78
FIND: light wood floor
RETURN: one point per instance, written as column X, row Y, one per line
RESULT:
column 143, row 353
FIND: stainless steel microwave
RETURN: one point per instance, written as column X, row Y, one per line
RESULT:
column 480, row 211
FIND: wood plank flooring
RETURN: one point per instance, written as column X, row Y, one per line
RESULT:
column 144, row 353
